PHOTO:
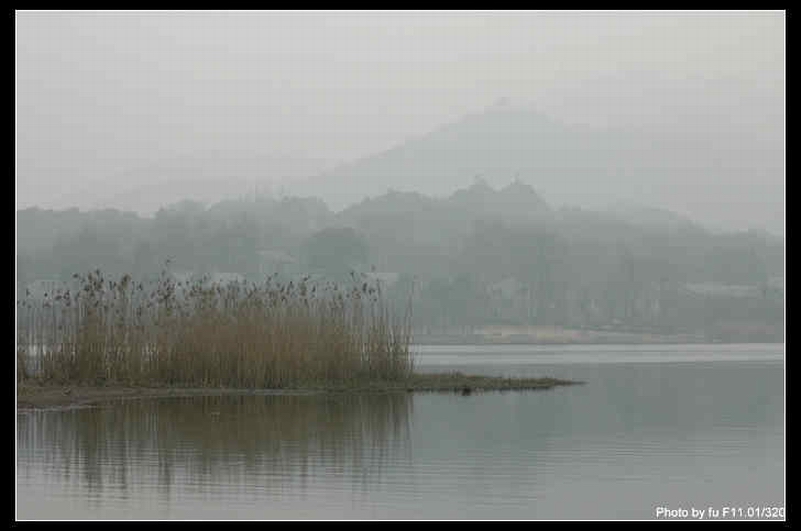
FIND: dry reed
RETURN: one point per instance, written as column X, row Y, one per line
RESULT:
column 199, row 334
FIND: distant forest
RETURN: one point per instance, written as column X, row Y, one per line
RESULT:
column 476, row 258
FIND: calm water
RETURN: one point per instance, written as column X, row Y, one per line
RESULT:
column 654, row 426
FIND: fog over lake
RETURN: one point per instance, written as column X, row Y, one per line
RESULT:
column 698, row 428
column 121, row 102
column 399, row 265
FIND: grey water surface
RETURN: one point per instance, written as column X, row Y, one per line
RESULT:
column 672, row 426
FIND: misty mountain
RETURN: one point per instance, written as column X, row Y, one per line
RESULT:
column 207, row 177
column 517, row 200
column 683, row 171
column 436, row 221
column 479, row 255
column 648, row 216
column 41, row 229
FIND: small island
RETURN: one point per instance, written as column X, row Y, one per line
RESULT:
column 117, row 338
column 41, row 395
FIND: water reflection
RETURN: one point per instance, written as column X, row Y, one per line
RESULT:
column 230, row 440
column 636, row 436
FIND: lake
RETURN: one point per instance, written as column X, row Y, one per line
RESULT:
column 654, row 428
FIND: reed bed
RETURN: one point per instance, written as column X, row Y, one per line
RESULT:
column 199, row 334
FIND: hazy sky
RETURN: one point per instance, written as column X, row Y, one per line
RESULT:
column 102, row 92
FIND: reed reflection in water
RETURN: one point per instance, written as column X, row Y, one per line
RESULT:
column 214, row 446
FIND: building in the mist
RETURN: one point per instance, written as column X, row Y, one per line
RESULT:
column 776, row 283
column 511, row 300
column 717, row 289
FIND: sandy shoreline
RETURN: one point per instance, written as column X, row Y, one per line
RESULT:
column 44, row 396
column 33, row 396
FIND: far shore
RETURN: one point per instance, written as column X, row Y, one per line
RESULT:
column 467, row 342
column 559, row 336
column 38, row 395
column 619, row 334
